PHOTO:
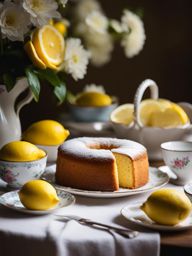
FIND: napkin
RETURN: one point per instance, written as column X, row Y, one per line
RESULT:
column 73, row 239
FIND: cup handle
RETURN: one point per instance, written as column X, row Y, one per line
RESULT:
column 168, row 171
column 148, row 83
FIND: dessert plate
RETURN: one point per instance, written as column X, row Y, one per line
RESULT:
column 157, row 179
column 12, row 201
column 135, row 215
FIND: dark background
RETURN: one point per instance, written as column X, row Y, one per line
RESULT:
column 166, row 58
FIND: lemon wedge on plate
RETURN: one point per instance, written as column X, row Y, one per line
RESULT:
column 167, row 206
column 46, row 132
column 20, row 151
column 123, row 114
column 38, row 195
column 93, row 99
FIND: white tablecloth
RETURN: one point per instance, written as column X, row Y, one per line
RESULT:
column 27, row 235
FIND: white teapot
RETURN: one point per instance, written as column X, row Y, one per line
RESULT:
column 10, row 127
column 152, row 137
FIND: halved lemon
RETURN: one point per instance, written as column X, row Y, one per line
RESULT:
column 29, row 48
column 171, row 117
column 49, row 45
column 123, row 114
column 150, row 106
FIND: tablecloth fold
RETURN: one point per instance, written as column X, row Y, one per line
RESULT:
column 68, row 239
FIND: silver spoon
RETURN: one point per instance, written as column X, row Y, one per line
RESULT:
column 128, row 233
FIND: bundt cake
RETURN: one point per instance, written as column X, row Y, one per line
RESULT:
column 103, row 164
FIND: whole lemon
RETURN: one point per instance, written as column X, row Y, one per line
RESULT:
column 93, row 99
column 46, row 132
column 38, row 195
column 167, row 206
column 61, row 27
column 20, row 151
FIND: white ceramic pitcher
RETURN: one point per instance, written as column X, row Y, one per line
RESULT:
column 10, row 127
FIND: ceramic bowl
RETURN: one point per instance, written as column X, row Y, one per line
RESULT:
column 177, row 155
column 16, row 174
column 51, row 152
column 151, row 137
column 92, row 114
column 188, row 191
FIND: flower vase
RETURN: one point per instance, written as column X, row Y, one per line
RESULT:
column 10, row 126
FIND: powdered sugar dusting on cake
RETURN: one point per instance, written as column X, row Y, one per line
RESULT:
column 80, row 147
column 84, row 147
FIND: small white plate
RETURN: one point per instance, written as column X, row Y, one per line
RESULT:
column 157, row 179
column 135, row 215
column 12, row 201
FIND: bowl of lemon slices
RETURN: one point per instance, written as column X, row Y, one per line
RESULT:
column 47, row 135
column 152, row 121
column 21, row 161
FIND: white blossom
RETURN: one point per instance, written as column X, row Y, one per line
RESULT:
column 99, row 45
column 133, row 41
column 63, row 2
column 97, row 22
column 85, row 7
column 41, row 11
column 76, row 58
column 14, row 21
column 94, row 88
column 116, row 26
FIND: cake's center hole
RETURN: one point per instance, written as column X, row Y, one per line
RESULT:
column 100, row 146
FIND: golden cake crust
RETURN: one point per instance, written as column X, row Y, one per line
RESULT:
column 89, row 163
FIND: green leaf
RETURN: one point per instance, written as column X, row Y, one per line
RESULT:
column 50, row 76
column 60, row 92
column 9, row 81
column 34, row 83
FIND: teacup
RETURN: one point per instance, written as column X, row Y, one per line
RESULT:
column 177, row 156
column 16, row 174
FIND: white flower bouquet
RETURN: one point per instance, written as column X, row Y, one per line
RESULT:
column 100, row 33
column 35, row 42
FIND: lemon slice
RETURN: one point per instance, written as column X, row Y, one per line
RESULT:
column 150, row 106
column 20, row 151
column 93, row 99
column 49, row 45
column 171, row 117
column 38, row 195
column 123, row 114
column 29, row 48
column 46, row 132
